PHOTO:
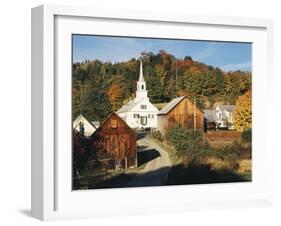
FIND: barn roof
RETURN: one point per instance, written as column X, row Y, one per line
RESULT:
column 168, row 107
column 103, row 122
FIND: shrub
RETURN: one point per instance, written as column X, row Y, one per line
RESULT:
column 157, row 135
column 189, row 144
column 185, row 139
column 247, row 135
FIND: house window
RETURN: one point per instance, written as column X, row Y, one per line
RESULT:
column 81, row 128
column 152, row 116
column 136, row 116
column 148, row 115
column 143, row 106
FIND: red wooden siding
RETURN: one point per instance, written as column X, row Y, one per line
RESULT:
column 115, row 141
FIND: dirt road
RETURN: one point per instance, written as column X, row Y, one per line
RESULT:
column 157, row 166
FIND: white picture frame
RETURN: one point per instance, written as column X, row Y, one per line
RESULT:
column 51, row 197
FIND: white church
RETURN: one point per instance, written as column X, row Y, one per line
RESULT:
column 139, row 113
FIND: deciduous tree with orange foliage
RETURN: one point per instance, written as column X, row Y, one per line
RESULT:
column 115, row 94
column 242, row 117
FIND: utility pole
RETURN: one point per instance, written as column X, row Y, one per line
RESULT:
column 81, row 95
column 194, row 115
column 176, row 77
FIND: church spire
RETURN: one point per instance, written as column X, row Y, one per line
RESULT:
column 141, row 86
column 141, row 79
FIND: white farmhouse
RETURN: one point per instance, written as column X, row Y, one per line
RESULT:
column 83, row 126
column 225, row 116
column 139, row 113
column 222, row 116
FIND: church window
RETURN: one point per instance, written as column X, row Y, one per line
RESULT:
column 152, row 116
column 142, row 86
column 148, row 115
column 143, row 120
column 136, row 115
column 143, row 106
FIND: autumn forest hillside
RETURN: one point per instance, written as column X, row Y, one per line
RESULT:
column 105, row 86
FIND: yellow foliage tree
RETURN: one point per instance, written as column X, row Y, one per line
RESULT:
column 115, row 94
column 242, row 117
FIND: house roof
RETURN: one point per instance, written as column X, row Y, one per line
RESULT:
column 86, row 122
column 210, row 115
column 96, row 123
column 168, row 107
column 229, row 108
column 128, row 106
column 81, row 117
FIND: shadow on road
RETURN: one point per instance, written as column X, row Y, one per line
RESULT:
column 145, row 156
column 177, row 175
column 152, row 178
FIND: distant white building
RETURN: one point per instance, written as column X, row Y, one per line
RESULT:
column 222, row 116
column 139, row 113
column 83, row 126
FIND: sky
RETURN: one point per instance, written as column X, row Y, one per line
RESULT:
column 229, row 56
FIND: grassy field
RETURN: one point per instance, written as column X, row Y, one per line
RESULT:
column 212, row 169
column 220, row 139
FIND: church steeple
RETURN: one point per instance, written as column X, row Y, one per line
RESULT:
column 141, row 86
column 141, row 79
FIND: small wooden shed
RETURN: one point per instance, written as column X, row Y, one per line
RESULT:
column 114, row 143
column 181, row 111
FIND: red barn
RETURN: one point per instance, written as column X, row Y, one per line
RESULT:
column 114, row 142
